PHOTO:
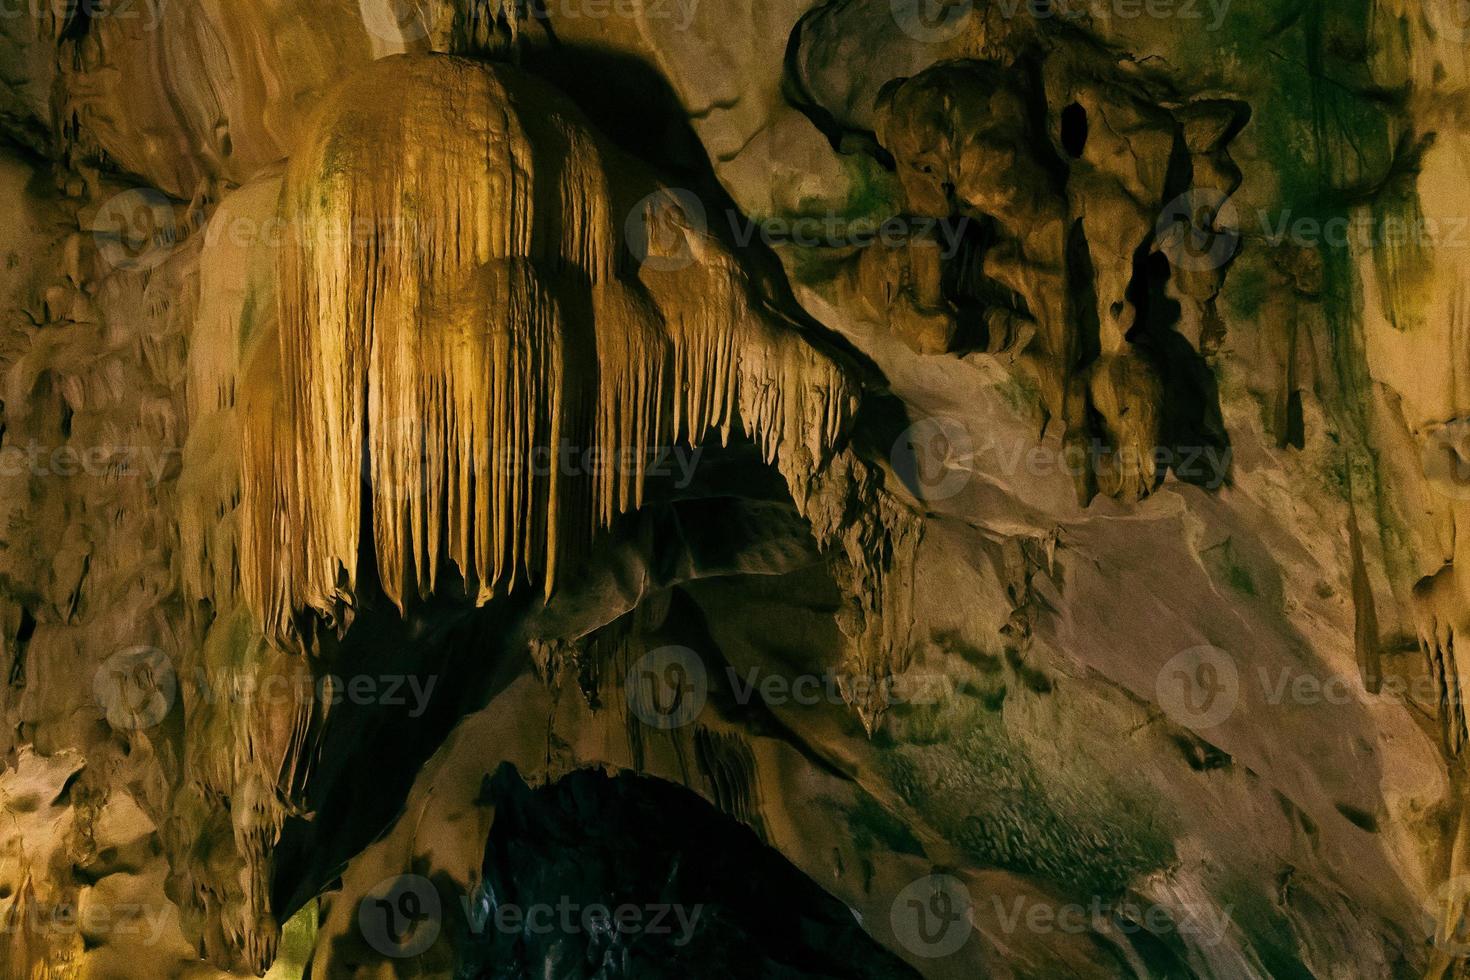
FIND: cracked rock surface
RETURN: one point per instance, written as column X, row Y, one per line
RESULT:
column 822, row 488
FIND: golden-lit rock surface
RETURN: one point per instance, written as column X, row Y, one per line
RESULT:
column 889, row 488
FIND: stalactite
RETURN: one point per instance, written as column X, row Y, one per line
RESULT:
column 242, row 747
column 1439, row 605
column 1440, row 648
column 878, row 538
column 33, row 948
column 452, row 310
column 729, row 770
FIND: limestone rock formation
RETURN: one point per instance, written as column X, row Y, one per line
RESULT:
column 833, row 488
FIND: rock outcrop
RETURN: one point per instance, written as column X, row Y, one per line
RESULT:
column 990, row 473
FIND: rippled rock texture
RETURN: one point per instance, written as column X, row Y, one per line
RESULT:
column 810, row 488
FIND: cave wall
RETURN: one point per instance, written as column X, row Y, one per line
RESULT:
column 1155, row 387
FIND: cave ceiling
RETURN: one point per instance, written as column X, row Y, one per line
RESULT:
column 682, row 488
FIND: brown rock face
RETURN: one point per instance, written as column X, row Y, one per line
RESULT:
column 648, row 488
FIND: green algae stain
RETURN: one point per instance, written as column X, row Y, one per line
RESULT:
column 1245, row 290
column 874, row 828
column 984, row 791
column 1400, row 258
column 872, row 193
column 298, row 937
column 1328, row 78
column 1021, row 394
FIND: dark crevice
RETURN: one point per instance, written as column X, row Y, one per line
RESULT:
column 78, row 21
column 975, row 296
column 632, row 104
column 728, row 904
column 1359, row 817
column 1082, row 292
column 368, row 756
column 1191, row 423
column 1295, row 434
column 23, row 636
column 1074, row 130
column 844, row 139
